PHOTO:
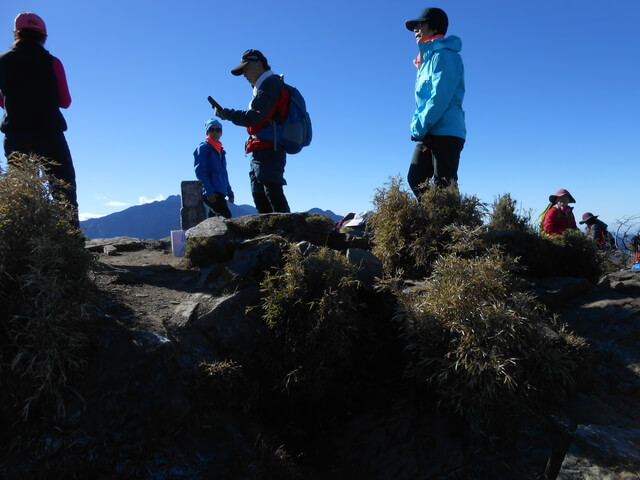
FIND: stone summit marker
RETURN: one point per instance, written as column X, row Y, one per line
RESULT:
column 192, row 211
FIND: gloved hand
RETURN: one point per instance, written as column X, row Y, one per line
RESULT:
column 221, row 113
column 231, row 198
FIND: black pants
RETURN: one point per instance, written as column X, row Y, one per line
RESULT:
column 54, row 147
column 267, row 180
column 219, row 206
column 436, row 157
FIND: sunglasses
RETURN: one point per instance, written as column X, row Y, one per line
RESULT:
column 215, row 129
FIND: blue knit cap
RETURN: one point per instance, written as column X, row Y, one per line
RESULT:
column 212, row 122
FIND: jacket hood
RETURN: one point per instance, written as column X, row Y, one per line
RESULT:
column 451, row 42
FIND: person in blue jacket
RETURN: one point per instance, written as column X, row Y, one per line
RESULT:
column 211, row 169
column 438, row 125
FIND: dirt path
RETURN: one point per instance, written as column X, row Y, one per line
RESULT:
column 148, row 289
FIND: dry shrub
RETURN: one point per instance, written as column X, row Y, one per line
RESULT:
column 312, row 317
column 408, row 234
column 274, row 462
column 573, row 254
column 222, row 384
column 505, row 216
column 569, row 255
column 45, row 293
column 485, row 350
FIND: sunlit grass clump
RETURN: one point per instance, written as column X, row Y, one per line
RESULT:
column 481, row 347
column 409, row 233
column 45, row 293
column 311, row 313
column 505, row 216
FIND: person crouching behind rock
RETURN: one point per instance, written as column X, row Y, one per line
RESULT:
column 597, row 230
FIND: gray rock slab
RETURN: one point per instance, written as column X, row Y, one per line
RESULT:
column 603, row 452
column 229, row 325
column 210, row 227
column 119, row 243
column 369, row 266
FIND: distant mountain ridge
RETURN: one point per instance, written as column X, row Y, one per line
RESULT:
column 155, row 220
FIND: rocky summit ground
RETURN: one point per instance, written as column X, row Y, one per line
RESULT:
column 144, row 287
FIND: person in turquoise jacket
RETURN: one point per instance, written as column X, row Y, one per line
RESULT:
column 438, row 125
column 210, row 164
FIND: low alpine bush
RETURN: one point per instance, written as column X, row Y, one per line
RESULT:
column 409, row 233
column 45, row 293
column 312, row 316
column 505, row 216
column 482, row 347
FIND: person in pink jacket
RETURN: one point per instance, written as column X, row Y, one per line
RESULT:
column 559, row 217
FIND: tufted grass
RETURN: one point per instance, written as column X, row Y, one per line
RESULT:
column 409, row 234
column 505, row 216
column 309, row 356
column 45, row 294
column 481, row 346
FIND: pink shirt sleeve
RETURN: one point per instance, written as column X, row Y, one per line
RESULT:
column 64, row 97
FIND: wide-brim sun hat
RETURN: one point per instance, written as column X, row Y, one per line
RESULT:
column 587, row 216
column 435, row 17
column 29, row 21
column 250, row 55
column 561, row 193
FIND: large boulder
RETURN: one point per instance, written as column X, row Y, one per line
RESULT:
column 210, row 242
column 230, row 327
column 295, row 227
column 132, row 390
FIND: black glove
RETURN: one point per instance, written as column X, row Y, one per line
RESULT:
column 222, row 113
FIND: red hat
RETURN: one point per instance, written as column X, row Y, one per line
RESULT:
column 561, row 193
column 30, row 21
column 587, row 216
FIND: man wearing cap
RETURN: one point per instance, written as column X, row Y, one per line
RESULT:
column 210, row 163
column 597, row 230
column 33, row 88
column 270, row 103
column 438, row 124
column 559, row 217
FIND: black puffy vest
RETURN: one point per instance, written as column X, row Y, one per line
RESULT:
column 29, row 87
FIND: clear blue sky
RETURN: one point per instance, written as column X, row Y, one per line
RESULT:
column 552, row 96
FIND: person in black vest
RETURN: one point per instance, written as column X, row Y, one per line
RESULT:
column 33, row 88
